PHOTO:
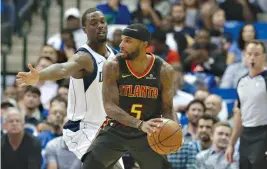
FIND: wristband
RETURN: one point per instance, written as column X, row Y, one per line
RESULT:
column 140, row 124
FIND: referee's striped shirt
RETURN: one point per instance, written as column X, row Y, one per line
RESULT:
column 252, row 99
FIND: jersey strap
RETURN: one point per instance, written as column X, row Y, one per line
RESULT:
column 88, row 79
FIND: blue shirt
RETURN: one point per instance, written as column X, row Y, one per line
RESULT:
column 122, row 16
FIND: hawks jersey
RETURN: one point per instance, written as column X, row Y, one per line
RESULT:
column 85, row 95
column 140, row 94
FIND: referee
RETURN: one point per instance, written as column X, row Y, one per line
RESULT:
column 250, row 117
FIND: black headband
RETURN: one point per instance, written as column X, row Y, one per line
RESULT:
column 139, row 34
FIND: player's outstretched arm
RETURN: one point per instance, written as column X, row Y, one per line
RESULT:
column 168, row 78
column 111, row 95
column 78, row 62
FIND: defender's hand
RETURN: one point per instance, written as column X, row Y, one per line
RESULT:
column 149, row 126
column 28, row 78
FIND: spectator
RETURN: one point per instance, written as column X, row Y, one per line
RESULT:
column 235, row 71
column 215, row 104
column 57, row 156
column 214, row 157
column 166, row 24
column 72, row 18
column 30, row 109
column 238, row 10
column 217, row 32
column 47, row 88
column 57, row 113
column 204, row 132
column 192, row 13
column 19, row 149
column 179, row 15
column 198, row 55
column 217, row 62
column 68, row 46
column 201, row 94
column 5, row 105
column 116, row 39
column 246, row 34
column 46, row 132
column 63, row 91
column 181, row 98
column 145, row 14
column 206, row 10
column 49, row 51
column 194, row 111
column 158, row 47
column 10, row 93
column 115, row 12
column 185, row 158
column 181, row 36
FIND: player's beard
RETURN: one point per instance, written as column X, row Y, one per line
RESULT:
column 204, row 137
column 132, row 55
column 101, row 39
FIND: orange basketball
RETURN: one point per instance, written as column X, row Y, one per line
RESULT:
column 167, row 139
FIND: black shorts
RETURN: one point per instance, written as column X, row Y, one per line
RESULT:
column 253, row 145
column 115, row 139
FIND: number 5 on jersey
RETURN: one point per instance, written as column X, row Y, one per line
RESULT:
column 136, row 109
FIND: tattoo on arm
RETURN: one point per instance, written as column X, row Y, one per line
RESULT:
column 79, row 61
column 168, row 78
column 110, row 94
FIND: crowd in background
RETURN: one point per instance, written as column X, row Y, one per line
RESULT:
column 191, row 35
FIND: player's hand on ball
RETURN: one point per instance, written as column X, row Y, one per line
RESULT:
column 229, row 153
column 150, row 125
column 28, row 78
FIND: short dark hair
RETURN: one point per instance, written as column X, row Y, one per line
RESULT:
column 32, row 89
column 209, row 117
column 88, row 11
column 257, row 42
column 196, row 101
column 59, row 99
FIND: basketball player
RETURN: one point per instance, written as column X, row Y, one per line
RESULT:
column 138, row 89
column 85, row 106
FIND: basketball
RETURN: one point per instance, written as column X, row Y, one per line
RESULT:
column 167, row 139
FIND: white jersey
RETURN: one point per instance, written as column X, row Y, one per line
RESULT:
column 85, row 107
column 85, row 95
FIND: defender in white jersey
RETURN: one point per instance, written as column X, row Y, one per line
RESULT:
column 85, row 106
